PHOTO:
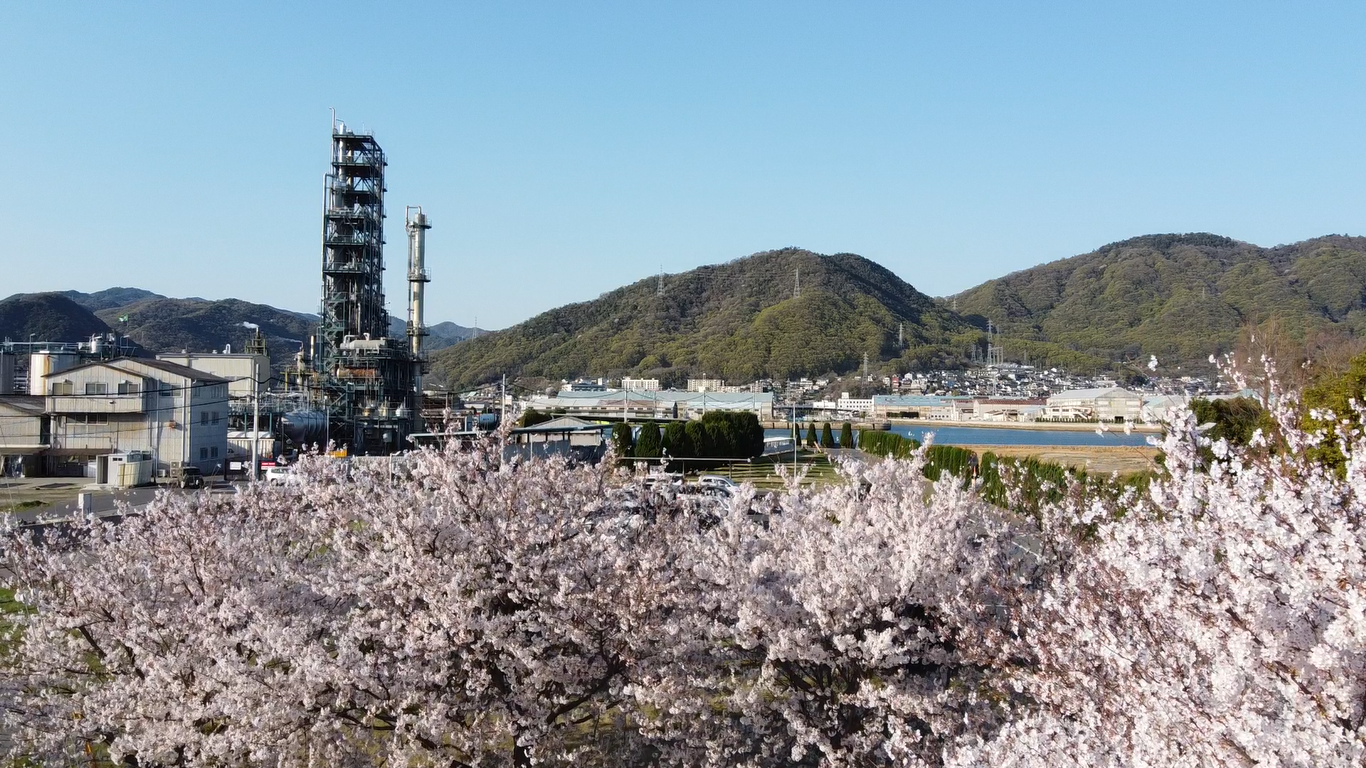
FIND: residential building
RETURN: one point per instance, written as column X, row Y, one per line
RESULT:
column 126, row 405
column 706, row 385
column 640, row 385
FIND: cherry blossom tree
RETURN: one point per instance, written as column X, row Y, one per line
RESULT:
column 462, row 609
column 470, row 612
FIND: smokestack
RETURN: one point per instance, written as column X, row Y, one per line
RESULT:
column 417, row 226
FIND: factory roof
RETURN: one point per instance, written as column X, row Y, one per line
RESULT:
column 563, row 424
column 922, row 401
column 1094, row 393
column 32, row 405
column 660, row 396
column 161, row 365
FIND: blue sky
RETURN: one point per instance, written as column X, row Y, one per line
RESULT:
column 563, row 149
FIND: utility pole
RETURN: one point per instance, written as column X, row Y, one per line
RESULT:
column 255, row 421
column 503, row 400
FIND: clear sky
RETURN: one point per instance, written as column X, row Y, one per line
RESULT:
column 563, row 149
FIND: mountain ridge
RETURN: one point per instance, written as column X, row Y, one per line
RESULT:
column 1179, row 297
column 773, row 313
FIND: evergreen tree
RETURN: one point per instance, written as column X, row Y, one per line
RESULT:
column 648, row 442
column 811, row 436
column 846, row 436
column 697, row 439
column 676, row 440
column 621, row 439
column 827, row 437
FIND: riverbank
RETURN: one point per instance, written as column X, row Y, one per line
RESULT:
column 1095, row 459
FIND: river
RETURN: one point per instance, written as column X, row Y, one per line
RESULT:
column 998, row 436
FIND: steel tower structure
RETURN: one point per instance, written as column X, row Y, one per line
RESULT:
column 353, row 244
column 362, row 378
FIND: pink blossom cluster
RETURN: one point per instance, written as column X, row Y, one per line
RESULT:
column 478, row 611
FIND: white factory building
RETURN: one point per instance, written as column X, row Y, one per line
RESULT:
column 660, row 404
column 126, row 405
column 1109, row 404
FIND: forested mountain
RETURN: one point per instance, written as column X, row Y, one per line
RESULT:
column 109, row 298
column 47, row 317
column 1179, row 297
column 439, row 336
column 197, row 325
column 161, row 324
column 738, row 320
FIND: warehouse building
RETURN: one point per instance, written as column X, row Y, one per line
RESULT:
column 176, row 414
column 662, row 404
column 1108, row 404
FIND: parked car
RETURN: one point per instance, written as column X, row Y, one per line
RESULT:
column 717, row 481
column 277, row 475
column 189, row 476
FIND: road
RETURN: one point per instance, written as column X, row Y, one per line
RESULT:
column 104, row 503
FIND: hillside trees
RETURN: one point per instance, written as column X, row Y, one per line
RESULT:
column 738, row 320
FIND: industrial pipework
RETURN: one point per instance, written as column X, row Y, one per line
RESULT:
column 417, row 224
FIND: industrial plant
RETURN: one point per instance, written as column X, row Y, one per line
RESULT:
column 354, row 387
column 363, row 388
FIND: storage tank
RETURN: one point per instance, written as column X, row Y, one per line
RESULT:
column 305, row 428
column 45, row 363
column 39, row 365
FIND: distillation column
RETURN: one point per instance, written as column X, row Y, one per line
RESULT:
column 417, row 225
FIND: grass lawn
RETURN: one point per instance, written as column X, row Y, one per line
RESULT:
column 762, row 472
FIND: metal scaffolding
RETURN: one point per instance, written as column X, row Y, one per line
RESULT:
column 363, row 379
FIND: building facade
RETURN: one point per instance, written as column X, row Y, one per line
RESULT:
column 25, row 435
column 663, row 404
column 1109, row 404
column 177, row 414
column 640, row 385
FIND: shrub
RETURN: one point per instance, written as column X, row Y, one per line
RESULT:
column 649, row 441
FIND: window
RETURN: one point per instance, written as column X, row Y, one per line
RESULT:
column 215, row 420
column 96, row 388
column 203, row 453
column 165, row 389
column 203, row 417
column 213, row 452
column 62, row 388
column 129, row 388
column 97, row 418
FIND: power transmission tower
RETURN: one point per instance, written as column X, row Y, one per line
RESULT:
column 660, row 290
column 797, row 285
column 900, row 335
